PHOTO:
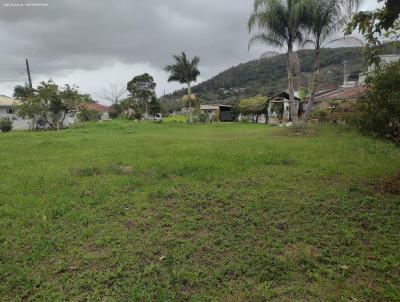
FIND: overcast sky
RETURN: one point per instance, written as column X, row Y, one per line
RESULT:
column 91, row 43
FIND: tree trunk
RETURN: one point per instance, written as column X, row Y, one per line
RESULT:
column 294, row 111
column 62, row 121
column 190, row 105
column 314, row 84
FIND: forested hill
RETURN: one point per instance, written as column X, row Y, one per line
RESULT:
column 269, row 76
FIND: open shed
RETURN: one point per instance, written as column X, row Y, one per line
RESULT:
column 279, row 108
column 222, row 112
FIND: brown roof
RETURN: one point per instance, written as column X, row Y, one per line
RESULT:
column 95, row 107
column 6, row 101
column 285, row 95
column 341, row 94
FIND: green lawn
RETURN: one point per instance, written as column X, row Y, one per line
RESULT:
column 126, row 211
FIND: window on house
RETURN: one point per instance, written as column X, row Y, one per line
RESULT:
column 10, row 111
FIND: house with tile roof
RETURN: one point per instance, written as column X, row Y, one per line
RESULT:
column 323, row 98
column 101, row 109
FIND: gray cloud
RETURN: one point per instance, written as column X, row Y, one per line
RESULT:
column 75, row 37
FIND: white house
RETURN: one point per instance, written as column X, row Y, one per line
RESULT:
column 385, row 59
column 7, row 110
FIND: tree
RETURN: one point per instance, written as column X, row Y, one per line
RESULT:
column 379, row 109
column 141, row 89
column 22, row 91
column 184, row 71
column 372, row 24
column 324, row 19
column 280, row 24
column 154, row 107
column 253, row 106
column 113, row 93
column 49, row 103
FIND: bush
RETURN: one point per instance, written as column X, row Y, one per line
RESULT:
column 322, row 115
column 116, row 110
column 5, row 125
column 203, row 118
column 379, row 110
column 87, row 115
column 138, row 116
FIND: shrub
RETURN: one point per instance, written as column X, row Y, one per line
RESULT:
column 116, row 110
column 322, row 115
column 87, row 115
column 137, row 116
column 379, row 110
column 204, row 118
column 5, row 125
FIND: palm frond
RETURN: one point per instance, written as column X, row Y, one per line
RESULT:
column 266, row 39
column 183, row 70
column 348, row 40
column 308, row 41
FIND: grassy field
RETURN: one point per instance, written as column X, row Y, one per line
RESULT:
column 126, row 211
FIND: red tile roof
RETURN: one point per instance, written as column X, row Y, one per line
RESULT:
column 95, row 107
column 341, row 94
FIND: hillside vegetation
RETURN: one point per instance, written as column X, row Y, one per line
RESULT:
column 269, row 76
column 126, row 211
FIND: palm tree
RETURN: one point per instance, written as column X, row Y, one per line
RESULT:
column 324, row 19
column 280, row 24
column 184, row 72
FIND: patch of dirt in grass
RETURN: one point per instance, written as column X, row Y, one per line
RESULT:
column 87, row 193
column 82, row 172
column 298, row 250
column 296, row 132
column 283, row 162
column 95, row 171
column 391, row 185
column 120, row 169
column 130, row 225
column 359, row 281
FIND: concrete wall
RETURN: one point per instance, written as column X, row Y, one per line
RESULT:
column 18, row 122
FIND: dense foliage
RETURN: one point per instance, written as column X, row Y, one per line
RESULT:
column 5, row 125
column 142, row 89
column 372, row 24
column 49, row 104
column 379, row 110
column 88, row 115
column 154, row 107
column 253, row 105
column 116, row 109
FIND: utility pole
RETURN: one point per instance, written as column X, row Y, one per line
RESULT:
column 345, row 78
column 29, row 74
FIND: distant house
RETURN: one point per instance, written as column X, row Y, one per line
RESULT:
column 103, row 110
column 324, row 98
column 8, row 110
column 220, row 112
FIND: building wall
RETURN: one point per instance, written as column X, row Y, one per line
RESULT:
column 18, row 122
column 26, row 124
